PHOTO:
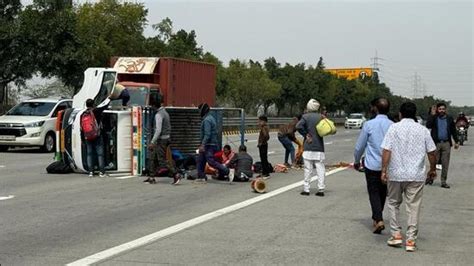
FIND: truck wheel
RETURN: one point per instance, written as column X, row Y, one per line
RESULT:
column 49, row 143
column 3, row 148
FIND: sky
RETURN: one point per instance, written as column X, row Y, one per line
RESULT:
column 427, row 41
column 432, row 39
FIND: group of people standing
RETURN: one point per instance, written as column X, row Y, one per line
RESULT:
column 394, row 163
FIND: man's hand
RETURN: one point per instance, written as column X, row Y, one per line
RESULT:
column 384, row 177
column 431, row 175
column 356, row 166
column 456, row 146
column 201, row 148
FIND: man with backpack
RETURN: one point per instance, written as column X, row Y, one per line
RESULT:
column 91, row 125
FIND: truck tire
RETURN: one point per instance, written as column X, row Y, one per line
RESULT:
column 49, row 143
column 4, row 148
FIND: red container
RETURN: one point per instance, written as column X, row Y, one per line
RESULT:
column 183, row 83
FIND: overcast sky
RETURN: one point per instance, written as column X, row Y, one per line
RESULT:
column 431, row 38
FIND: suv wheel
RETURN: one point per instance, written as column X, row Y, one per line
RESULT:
column 3, row 148
column 49, row 143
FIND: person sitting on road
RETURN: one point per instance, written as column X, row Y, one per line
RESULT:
column 242, row 163
column 223, row 157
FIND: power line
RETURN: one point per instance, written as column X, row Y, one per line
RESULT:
column 376, row 65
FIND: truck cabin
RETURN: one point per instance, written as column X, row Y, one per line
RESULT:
column 141, row 94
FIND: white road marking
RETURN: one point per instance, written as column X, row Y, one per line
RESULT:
column 271, row 152
column 328, row 143
column 125, row 177
column 2, row 166
column 252, row 140
column 145, row 240
column 347, row 140
column 7, row 197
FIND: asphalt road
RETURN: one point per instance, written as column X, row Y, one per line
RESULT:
column 59, row 219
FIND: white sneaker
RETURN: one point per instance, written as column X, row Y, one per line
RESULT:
column 91, row 174
column 103, row 174
column 439, row 167
column 231, row 175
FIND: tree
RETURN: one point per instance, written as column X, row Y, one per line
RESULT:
column 249, row 86
column 53, row 89
column 50, row 26
column 16, row 62
column 110, row 28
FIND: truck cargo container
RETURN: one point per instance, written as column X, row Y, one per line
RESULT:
column 183, row 83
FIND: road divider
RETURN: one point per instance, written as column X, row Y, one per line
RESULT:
column 148, row 239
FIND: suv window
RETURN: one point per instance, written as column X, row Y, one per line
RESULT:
column 32, row 109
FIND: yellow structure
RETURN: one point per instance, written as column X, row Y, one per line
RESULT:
column 351, row 73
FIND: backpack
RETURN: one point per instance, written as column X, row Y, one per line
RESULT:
column 58, row 167
column 89, row 126
column 326, row 127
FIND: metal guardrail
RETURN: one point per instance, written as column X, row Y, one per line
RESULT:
column 250, row 122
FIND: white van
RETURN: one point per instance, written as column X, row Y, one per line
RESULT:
column 32, row 123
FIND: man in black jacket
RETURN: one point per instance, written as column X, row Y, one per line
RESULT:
column 443, row 131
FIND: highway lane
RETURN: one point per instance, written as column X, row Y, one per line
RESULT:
column 57, row 219
column 54, row 219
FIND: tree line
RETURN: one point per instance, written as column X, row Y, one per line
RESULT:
column 56, row 38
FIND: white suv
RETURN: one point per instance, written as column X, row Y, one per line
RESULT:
column 355, row 120
column 32, row 123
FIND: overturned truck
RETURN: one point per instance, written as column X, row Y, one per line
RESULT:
column 127, row 130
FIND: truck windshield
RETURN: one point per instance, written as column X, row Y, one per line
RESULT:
column 32, row 109
column 138, row 97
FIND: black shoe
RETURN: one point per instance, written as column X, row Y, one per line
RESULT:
column 304, row 193
column 445, row 186
column 319, row 194
column 429, row 182
column 147, row 180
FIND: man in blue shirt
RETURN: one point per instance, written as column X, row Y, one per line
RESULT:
column 370, row 139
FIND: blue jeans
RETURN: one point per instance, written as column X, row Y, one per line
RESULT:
column 95, row 149
column 208, row 157
column 289, row 149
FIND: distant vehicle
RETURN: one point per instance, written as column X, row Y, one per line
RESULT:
column 355, row 120
column 32, row 124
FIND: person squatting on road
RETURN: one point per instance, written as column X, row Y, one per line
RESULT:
column 403, row 166
column 95, row 146
column 443, row 131
column 262, row 145
column 286, row 136
column 242, row 163
column 370, row 139
column 209, row 145
column 159, row 146
column 313, row 154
